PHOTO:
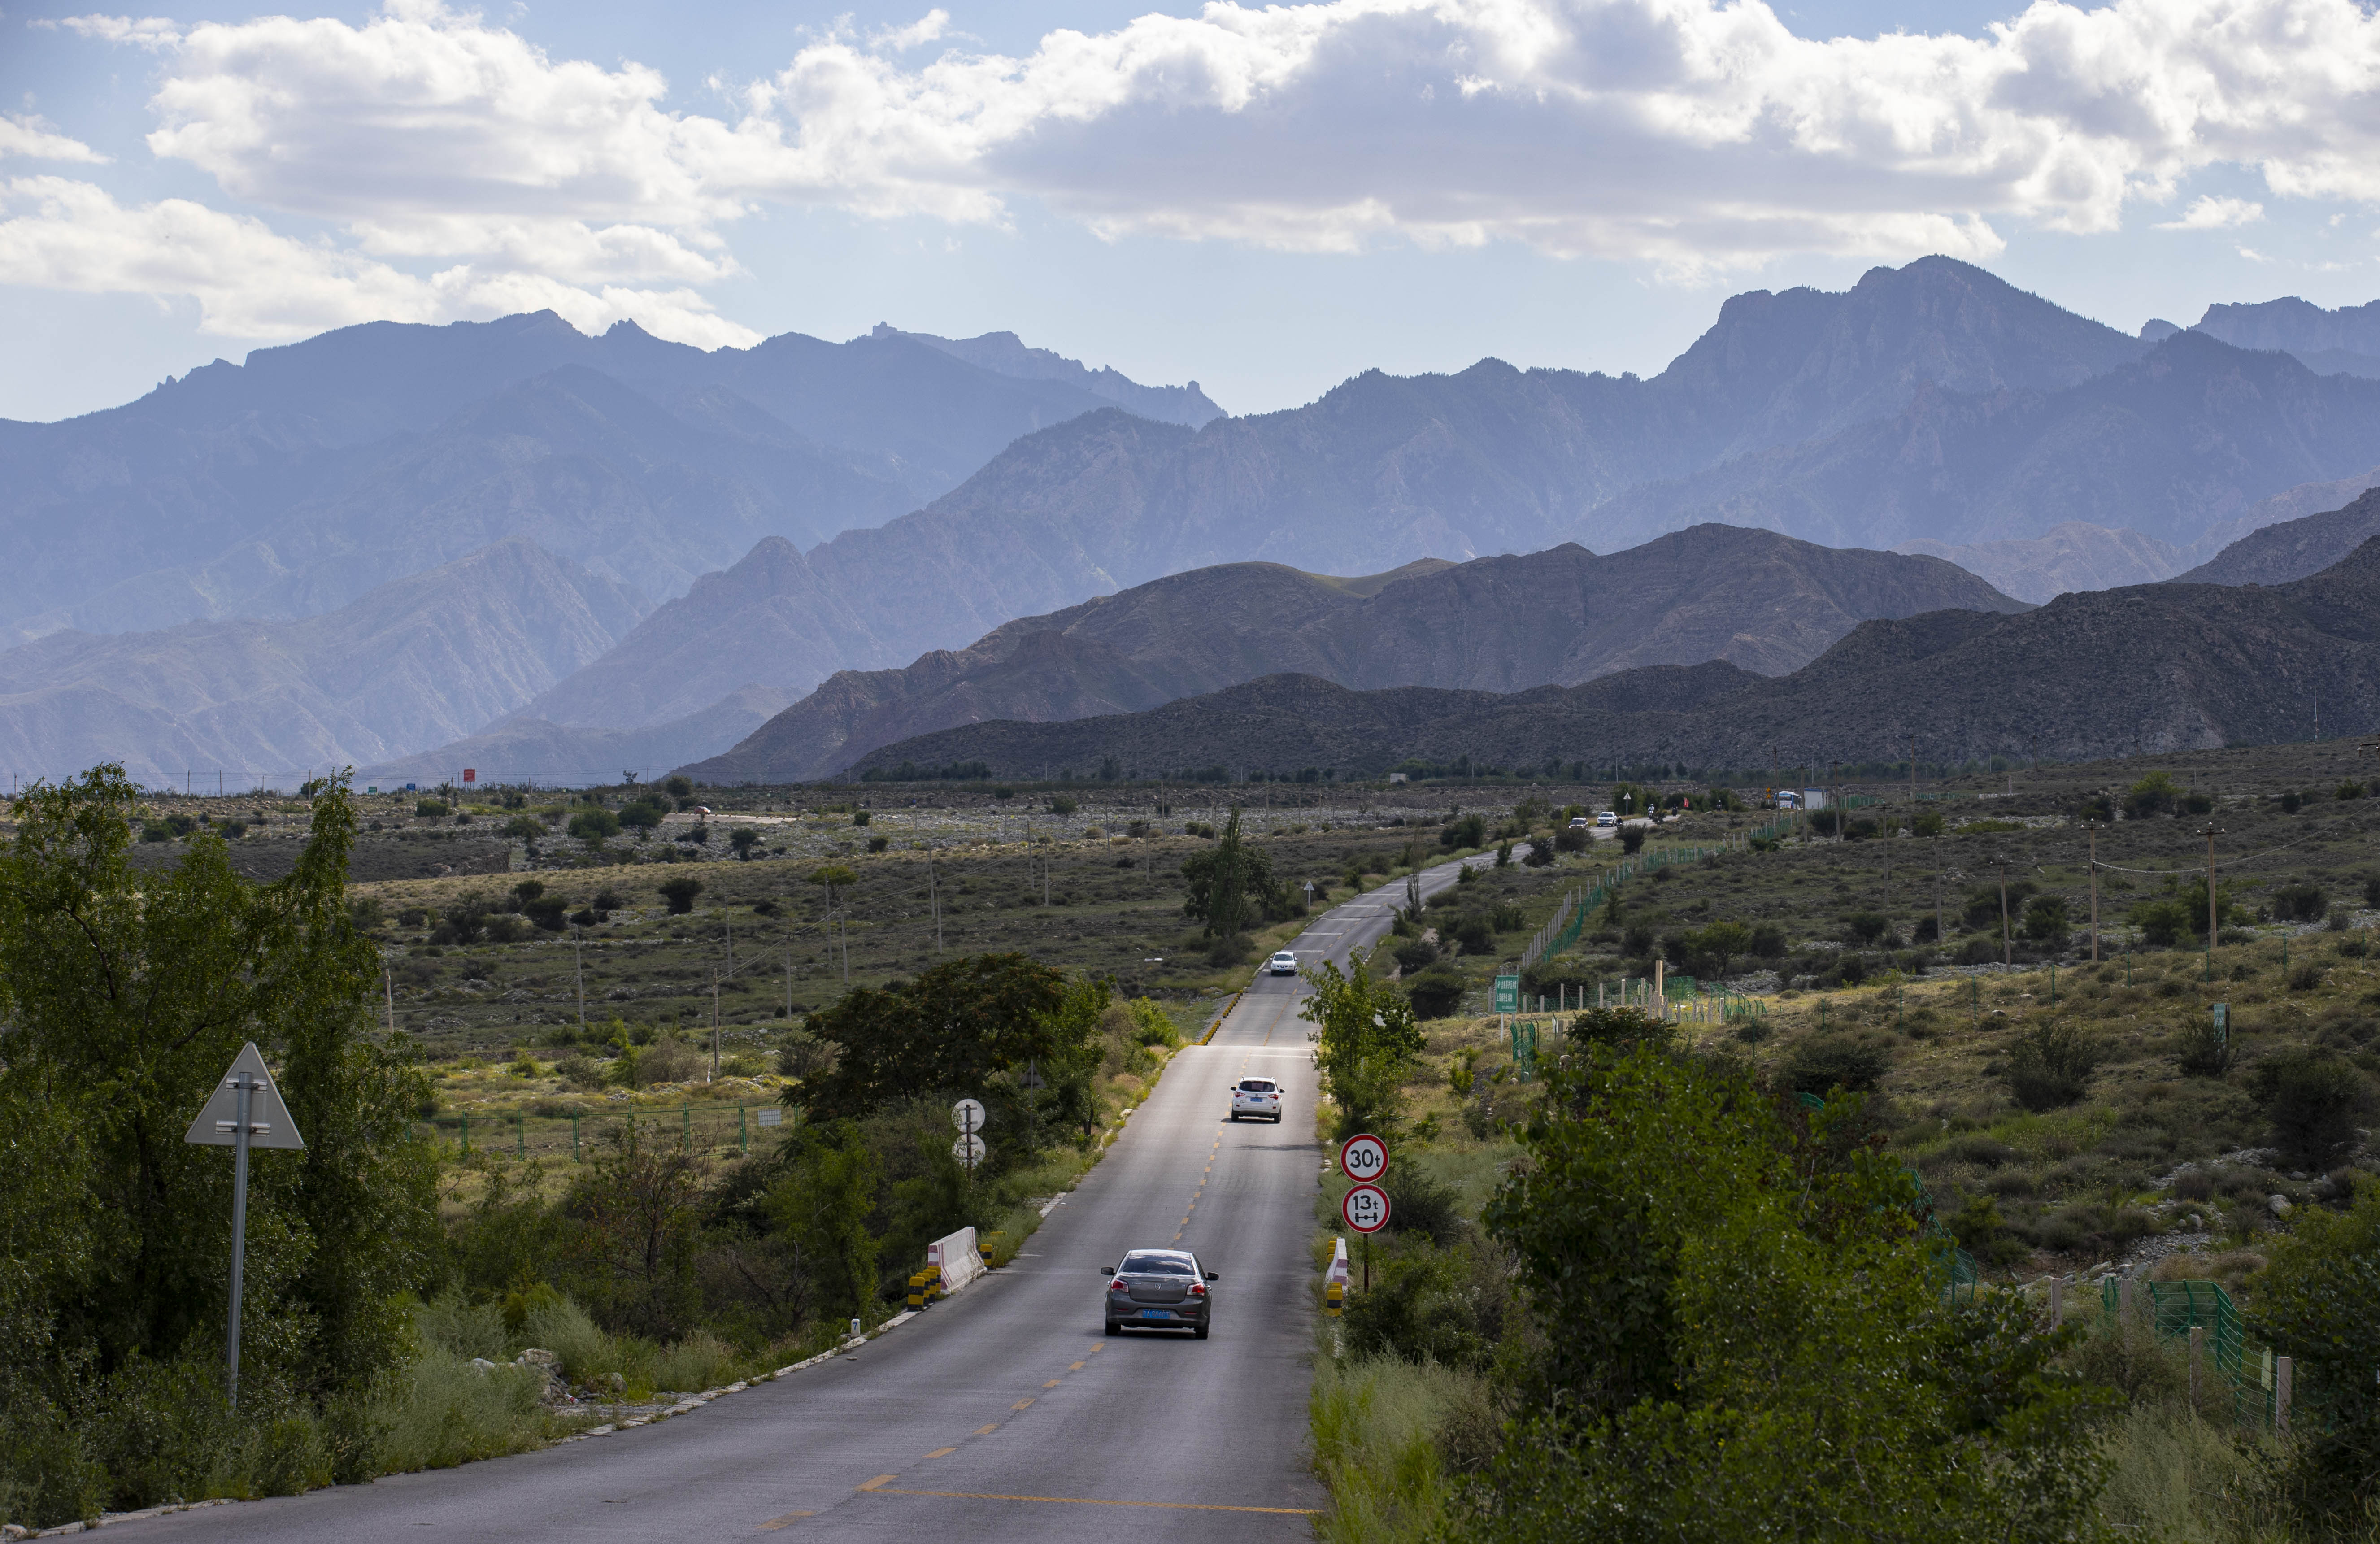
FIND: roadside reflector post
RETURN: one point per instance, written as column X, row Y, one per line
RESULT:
column 1336, row 1295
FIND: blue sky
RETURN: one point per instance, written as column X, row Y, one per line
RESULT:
column 1266, row 201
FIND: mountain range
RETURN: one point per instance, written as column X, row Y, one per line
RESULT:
column 1763, row 602
column 802, row 508
column 2111, row 673
column 416, row 661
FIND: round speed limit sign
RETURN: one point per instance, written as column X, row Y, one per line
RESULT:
column 1363, row 1158
column 1365, row 1209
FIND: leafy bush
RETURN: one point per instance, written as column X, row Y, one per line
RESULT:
column 1469, row 831
column 2302, row 902
column 2201, row 1050
column 680, row 894
column 1415, row 954
column 1476, row 936
column 430, row 810
column 1865, row 928
column 2314, row 1304
column 594, row 826
column 2050, row 1065
column 2315, row 1101
column 1632, row 839
column 1827, row 1063
column 2045, row 919
column 2161, row 923
column 1435, row 993
column 2350, row 789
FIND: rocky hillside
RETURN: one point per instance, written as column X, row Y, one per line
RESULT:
column 1763, row 602
column 2145, row 668
column 2293, row 549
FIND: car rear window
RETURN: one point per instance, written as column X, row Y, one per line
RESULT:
column 1153, row 1265
column 1256, row 1086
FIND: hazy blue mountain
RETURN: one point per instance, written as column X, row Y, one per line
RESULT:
column 1006, row 353
column 2293, row 549
column 2073, row 556
column 293, row 482
column 411, row 665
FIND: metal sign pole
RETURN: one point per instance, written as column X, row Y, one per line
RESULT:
column 245, row 1084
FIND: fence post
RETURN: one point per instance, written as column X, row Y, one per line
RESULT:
column 743, row 1136
column 520, row 1134
column 2197, row 1353
column 574, row 1141
column 2056, row 1301
column 2123, row 1300
column 2281, row 1367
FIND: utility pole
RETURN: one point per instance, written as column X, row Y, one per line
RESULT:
column 2210, row 832
column 934, row 893
column 2093, row 826
column 2008, row 936
column 714, row 1028
column 1835, row 778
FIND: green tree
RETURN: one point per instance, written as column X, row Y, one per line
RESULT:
column 680, row 894
column 127, row 993
column 822, row 1204
column 1367, row 1044
column 2314, row 1304
column 1741, row 1335
column 744, row 839
column 594, row 827
column 1231, row 885
column 954, row 1027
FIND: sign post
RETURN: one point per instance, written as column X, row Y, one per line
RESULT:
column 1364, row 1158
column 245, row 1110
column 969, row 1150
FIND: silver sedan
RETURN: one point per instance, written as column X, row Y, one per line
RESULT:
column 1158, row 1289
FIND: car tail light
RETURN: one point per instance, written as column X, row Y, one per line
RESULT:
column 1198, row 1289
column 1119, row 1285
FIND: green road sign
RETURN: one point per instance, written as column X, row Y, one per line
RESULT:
column 1508, row 995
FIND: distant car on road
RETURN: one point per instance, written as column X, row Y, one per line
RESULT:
column 1607, row 818
column 1283, row 964
column 1159, row 1289
column 1260, row 1097
column 1578, row 822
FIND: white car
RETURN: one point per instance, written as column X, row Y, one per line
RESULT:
column 1260, row 1097
column 1283, row 964
column 1607, row 818
column 1578, row 822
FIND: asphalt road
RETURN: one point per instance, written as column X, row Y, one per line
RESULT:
column 1004, row 1413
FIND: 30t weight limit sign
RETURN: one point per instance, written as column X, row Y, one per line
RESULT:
column 1363, row 1159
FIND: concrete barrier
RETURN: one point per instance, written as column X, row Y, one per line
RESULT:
column 958, row 1259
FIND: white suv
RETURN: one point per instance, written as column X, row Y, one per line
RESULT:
column 1607, row 818
column 1260, row 1097
column 1283, row 964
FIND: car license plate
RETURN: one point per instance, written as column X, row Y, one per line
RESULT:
column 1157, row 1313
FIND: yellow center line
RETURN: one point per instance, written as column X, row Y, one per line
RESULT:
column 1077, row 1367
column 1052, row 1384
column 786, row 1520
column 1097, row 1500
column 1099, row 1346
column 941, row 1453
column 986, row 1430
column 1020, row 1404
column 880, row 1482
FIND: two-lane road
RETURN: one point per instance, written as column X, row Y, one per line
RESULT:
column 1004, row 1413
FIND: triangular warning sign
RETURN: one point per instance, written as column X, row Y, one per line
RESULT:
column 269, row 1124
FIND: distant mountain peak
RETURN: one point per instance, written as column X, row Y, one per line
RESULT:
column 1006, row 353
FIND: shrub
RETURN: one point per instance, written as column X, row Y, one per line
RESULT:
column 2050, row 1065
column 1060, row 804
column 1419, row 1203
column 1821, row 1065
column 1415, row 954
column 680, row 894
column 2316, row 1103
column 1470, row 830
column 2302, row 902
column 1768, row 940
column 2351, row 790
column 594, row 826
column 430, row 810
column 1435, row 993
column 1865, row 927
column 1632, row 839
column 2045, row 919
column 525, row 828
column 2157, row 794
column 2161, row 923
column 1506, row 918
column 2201, row 1052
column 875, row 844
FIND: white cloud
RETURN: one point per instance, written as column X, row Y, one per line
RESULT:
column 250, row 280
column 149, row 32
column 1689, row 135
column 37, row 137
column 2210, row 212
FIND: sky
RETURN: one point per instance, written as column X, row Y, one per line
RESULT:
column 1265, row 199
